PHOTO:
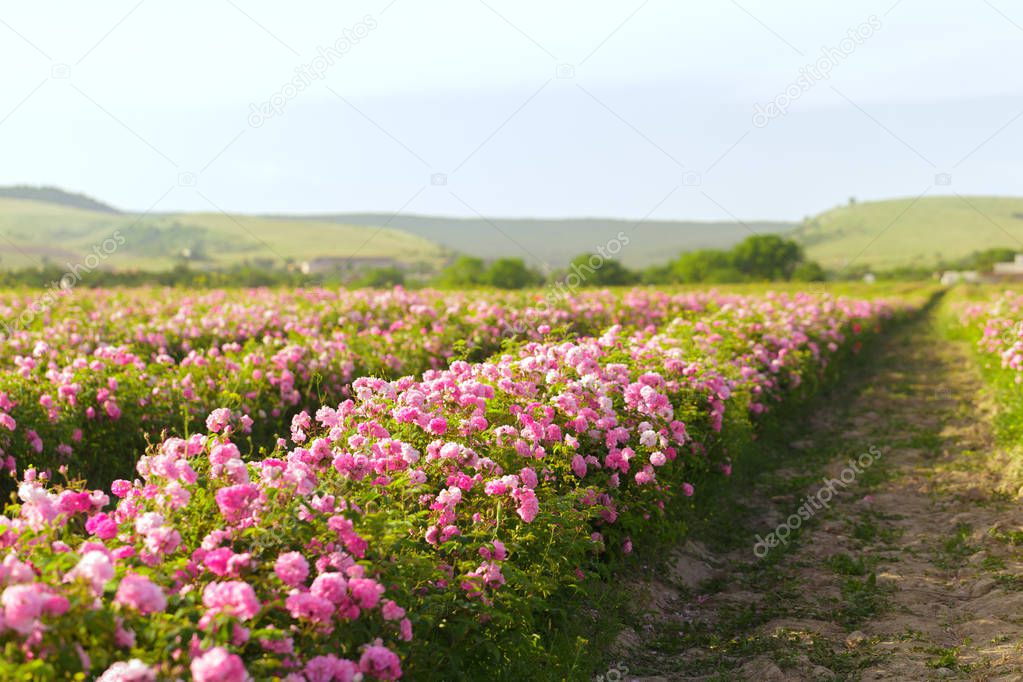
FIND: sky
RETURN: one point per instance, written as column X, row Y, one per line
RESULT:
column 657, row 109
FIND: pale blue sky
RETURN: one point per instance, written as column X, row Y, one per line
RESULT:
column 651, row 115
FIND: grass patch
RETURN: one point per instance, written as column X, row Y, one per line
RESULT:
column 867, row 529
column 843, row 564
column 954, row 551
column 1009, row 537
column 1009, row 581
column 861, row 600
column 946, row 657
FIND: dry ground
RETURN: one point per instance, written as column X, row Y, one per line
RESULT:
column 914, row 573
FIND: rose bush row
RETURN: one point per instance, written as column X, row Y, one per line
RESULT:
column 104, row 373
column 94, row 409
column 994, row 326
column 175, row 322
column 998, row 327
column 417, row 527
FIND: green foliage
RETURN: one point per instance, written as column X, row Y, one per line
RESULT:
column 511, row 273
column 504, row 273
column 767, row 257
column 595, row 270
column 381, row 278
column 246, row 274
column 700, row 266
column 757, row 258
column 466, row 272
column 984, row 260
column 809, row 271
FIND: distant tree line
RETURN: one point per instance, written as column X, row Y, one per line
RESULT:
column 50, row 275
column 758, row 258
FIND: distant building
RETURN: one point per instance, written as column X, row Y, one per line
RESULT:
column 341, row 264
column 950, row 277
column 1010, row 270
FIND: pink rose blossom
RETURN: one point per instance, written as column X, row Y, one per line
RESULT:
column 380, row 662
column 330, row 586
column 366, row 591
column 234, row 598
column 23, row 605
column 330, row 668
column 291, row 568
column 218, row 665
column 140, row 593
column 130, row 671
column 95, row 568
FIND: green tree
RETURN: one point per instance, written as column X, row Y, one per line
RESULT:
column 809, row 271
column 767, row 257
column 658, row 274
column 698, row 266
column 381, row 278
column 465, row 272
column 757, row 258
column 601, row 272
column 511, row 273
column 985, row 260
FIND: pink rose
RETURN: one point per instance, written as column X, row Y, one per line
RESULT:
column 218, row 665
column 291, row 568
column 140, row 593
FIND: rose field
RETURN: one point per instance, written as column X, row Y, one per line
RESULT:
column 341, row 485
column 992, row 322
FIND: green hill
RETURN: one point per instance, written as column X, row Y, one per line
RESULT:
column 885, row 234
column 39, row 225
column 34, row 232
column 55, row 195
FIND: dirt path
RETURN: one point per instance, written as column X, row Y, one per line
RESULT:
column 914, row 572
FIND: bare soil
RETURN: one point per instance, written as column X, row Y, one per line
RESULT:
column 913, row 573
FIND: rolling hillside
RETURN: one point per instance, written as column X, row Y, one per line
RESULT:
column 556, row 242
column 885, row 234
column 33, row 232
column 55, row 195
column 46, row 224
